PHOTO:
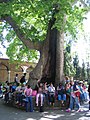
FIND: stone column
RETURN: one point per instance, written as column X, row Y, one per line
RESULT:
column 9, row 76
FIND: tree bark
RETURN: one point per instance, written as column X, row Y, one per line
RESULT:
column 27, row 42
column 50, row 65
column 46, row 67
column 59, row 58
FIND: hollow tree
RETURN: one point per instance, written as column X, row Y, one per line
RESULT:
column 41, row 25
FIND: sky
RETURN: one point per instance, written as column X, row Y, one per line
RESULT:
column 81, row 46
column 3, row 50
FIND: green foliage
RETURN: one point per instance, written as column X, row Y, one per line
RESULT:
column 68, row 65
column 88, row 70
column 77, row 68
column 20, row 52
column 84, row 71
column 33, row 17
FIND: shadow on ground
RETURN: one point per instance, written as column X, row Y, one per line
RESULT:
column 11, row 113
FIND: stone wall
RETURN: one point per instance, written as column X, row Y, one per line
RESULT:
column 8, row 69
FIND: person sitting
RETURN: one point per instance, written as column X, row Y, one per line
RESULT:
column 13, row 88
column 67, row 90
column 17, row 93
column 40, row 95
column 1, row 92
column 61, row 93
column 51, row 93
column 6, row 93
column 45, row 92
column 22, row 95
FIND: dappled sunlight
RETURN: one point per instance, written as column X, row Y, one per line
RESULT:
column 30, row 119
column 45, row 119
column 72, row 114
column 53, row 116
column 46, row 116
column 84, row 118
column 59, row 116
column 17, row 114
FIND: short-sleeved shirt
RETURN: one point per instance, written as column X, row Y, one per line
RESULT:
column 28, row 92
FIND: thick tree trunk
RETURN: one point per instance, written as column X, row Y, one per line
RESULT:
column 50, row 65
column 46, row 67
column 49, row 71
column 59, row 58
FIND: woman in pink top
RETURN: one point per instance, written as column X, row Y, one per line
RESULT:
column 28, row 94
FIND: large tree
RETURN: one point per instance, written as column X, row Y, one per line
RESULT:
column 40, row 25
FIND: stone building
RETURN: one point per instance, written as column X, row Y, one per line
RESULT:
column 8, row 69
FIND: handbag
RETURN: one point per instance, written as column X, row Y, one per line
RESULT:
column 34, row 93
column 77, row 94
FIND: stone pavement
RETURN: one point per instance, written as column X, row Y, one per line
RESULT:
column 11, row 113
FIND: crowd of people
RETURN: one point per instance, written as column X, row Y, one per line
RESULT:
column 71, row 93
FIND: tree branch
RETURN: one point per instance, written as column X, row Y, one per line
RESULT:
column 27, row 42
column 83, row 2
column 4, row 1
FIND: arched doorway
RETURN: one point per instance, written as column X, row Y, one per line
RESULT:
column 3, row 72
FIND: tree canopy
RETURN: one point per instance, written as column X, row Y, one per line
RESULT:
column 34, row 26
column 28, row 20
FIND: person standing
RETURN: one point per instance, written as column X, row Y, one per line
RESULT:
column 89, row 95
column 16, row 79
column 73, row 97
column 28, row 94
column 22, row 80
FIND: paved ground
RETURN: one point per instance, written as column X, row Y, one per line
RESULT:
column 10, row 113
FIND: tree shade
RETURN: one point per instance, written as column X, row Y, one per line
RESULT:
column 37, row 25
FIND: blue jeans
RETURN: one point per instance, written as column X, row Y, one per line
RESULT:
column 85, row 96
column 82, row 97
column 46, row 98
column 6, row 97
column 30, row 101
column 72, row 101
column 62, row 97
column 1, row 92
